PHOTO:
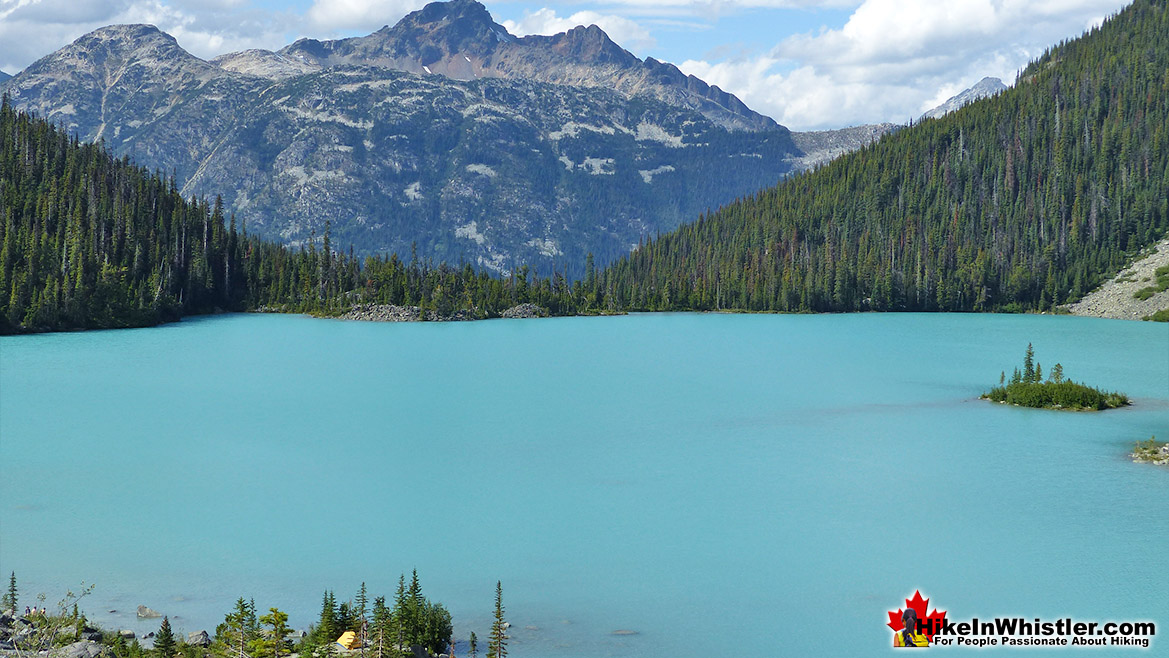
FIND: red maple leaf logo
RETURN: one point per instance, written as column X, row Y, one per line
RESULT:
column 930, row 624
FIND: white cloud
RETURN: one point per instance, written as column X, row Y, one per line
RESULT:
column 30, row 29
column 360, row 15
column 628, row 33
column 707, row 7
column 894, row 59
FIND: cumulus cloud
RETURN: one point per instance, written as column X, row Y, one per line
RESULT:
column 894, row 59
column 359, row 15
column 628, row 33
column 30, row 29
column 708, row 7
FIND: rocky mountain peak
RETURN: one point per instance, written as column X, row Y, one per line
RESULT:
column 465, row 11
column 460, row 40
column 983, row 88
column 588, row 45
column 112, row 48
column 443, row 29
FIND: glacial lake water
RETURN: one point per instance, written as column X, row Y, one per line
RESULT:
column 719, row 484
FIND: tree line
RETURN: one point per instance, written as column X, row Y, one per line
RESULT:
column 410, row 625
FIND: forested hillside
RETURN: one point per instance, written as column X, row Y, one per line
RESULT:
column 1022, row 201
column 90, row 241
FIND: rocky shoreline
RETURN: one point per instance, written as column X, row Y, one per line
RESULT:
column 393, row 313
column 1151, row 452
column 1114, row 299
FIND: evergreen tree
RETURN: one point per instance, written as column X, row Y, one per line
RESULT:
column 474, row 645
column 327, row 627
column 400, row 614
column 1056, row 373
column 10, row 597
column 381, row 626
column 362, row 624
column 497, row 647
column 277, row 641
column 235, row 636
column 1029, row 365
column 415, row 621
column 164, row 641
column 360, row 604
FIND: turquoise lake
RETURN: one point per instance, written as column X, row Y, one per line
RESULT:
column 720, row 484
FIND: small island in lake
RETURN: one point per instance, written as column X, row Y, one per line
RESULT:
column 1151, row 452
column 1028, row 388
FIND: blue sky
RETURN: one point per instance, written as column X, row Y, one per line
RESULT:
column 810, row 64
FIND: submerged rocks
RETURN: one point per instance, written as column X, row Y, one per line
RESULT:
column 525, row 311
column 126, row 634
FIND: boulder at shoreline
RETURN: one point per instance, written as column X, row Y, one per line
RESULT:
column 147, row 613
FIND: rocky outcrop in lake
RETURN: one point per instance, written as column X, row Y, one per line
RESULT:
column 147, row 613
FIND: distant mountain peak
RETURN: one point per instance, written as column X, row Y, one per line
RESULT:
column 453, row 10
column 460, row 40
column 587, row 44
column 985, row 87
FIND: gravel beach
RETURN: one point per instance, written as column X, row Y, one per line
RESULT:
column 1114, row 299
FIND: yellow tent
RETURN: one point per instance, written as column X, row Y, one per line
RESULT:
column 348, row 640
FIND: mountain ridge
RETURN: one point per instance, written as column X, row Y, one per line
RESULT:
column 492, row 170
column 459, row 39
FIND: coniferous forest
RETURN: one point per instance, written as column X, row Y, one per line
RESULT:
column 1020, row 202
column 90, row 241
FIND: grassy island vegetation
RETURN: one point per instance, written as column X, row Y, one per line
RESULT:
column 1028, row 388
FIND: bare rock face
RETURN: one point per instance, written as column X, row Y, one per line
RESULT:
column 821, row 146
column 982, row 89
column 459, row 39
column 264, row 63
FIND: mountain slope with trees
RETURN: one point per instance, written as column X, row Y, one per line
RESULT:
column 1021, row 201
column 89, row 241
